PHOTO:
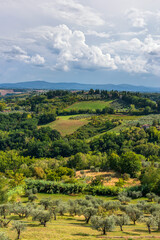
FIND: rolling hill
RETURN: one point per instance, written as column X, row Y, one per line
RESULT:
column 76, row 86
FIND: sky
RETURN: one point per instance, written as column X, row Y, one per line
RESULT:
column 85, row 41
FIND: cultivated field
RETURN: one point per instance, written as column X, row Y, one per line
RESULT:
column 66, row 125
column 92, row 105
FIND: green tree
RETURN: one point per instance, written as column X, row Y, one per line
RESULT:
column 114, row 161
column 106, row 224
column 130, row 163
column 3, row 189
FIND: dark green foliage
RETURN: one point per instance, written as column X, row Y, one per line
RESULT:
column 3, row 189
column 57, row 174
column 67, row 148
column 46, row 118
column 56, row 187
column 32, row 197
column 95, row 126
column 130, row 163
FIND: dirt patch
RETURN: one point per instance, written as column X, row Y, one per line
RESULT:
column 110, row 178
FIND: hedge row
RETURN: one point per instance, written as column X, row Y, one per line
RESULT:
column 66, row 188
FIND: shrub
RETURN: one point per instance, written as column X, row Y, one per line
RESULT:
column 32, row 198
column 120, row 183
column 39, row 173
column 82, row 172
column 126, row 176
column 68, row 188
column 151, row 196
column 98, row 180
column 92, row 168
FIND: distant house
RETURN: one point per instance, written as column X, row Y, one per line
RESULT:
column 146, row 126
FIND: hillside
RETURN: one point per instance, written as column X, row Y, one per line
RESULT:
column 70, row 160
column 76, row 86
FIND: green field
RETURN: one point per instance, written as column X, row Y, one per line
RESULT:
column 65, row 198
column 92, row 105
column 65, row 125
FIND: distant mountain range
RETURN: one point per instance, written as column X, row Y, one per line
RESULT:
column 76, row 86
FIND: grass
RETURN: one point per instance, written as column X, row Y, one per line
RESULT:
column 74, row 228
column 65, row 198
column 67, row 126
column 92, row 105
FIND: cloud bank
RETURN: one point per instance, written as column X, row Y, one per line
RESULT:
column 69, row 36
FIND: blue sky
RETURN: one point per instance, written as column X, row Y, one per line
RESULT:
column 85, row 41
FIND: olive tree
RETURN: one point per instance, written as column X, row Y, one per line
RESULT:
column 133, row 212
column 135, row 194
column 88, row 212
column 122, row 220
column 5, row 210
column 42, row 216
column 144, row 206
column 111, row 205
column 23, row 211
column 4, row 222
column 156, row 215
column 19, row 227
column 151, row 196
column 106, row 224
column 46, row 202
column 62, row 208
column 123, row 198
column 53, row 208
column 89, row 207
column 32, row 198
column 149, row 221
column 74, row 208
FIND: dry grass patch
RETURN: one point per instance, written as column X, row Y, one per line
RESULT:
column 110, row 178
